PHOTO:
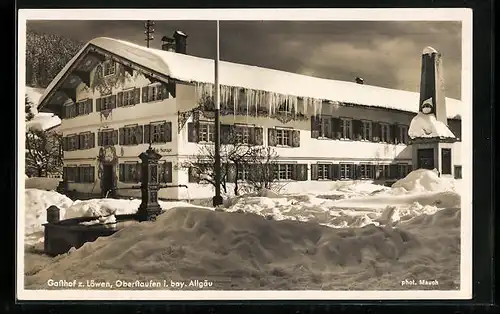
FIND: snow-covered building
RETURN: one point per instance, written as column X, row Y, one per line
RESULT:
column 115, row 97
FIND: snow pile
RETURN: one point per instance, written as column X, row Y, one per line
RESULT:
column 426, row 126
column 36, row 203
column 423, row 180
column 101, row 220
column 246, row 251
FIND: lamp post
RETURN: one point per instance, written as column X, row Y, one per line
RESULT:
column 217, row 199
column 149, row 31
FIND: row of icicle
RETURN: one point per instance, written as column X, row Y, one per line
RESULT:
column 255, row 98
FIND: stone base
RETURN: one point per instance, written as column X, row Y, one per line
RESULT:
column 149, row 212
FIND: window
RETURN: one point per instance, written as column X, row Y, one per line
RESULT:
column 402, row 170
column 403, row 134
column 324, row 172
column 165, row 172
column 129, row 172
column 445, row 160
column 326, row 129
column 458, row 172
column 109, row 67
column 158, row 132
column 128, row 98
column 385, row 133
column 346, row 171
column 80, row 108
column 86, row 174
column 365, row 171
column 242, row 134
column 129, row 134
column 70, row 111
column 107, row 138
column 283, row 137
column 243, row 173
column 154, row 92
column 72, row 142
column 367, row 130
column 107, row 102
column 86, row 140
column 71, row 173
column 207, row 133
column 346, row 128
column 283, row 171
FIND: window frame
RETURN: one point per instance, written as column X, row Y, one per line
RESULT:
column 364, row 136
column 108, row 64
column 346, row 126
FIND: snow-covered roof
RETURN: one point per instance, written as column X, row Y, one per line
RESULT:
column 41, row 120
column 427, row 126
column 195, row 69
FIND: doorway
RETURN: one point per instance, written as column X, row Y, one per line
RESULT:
column 425, row 158
column 108, row 181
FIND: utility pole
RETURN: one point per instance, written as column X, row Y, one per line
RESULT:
column 217, row 199
column 148, row 25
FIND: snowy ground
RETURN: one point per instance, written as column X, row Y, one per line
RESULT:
column 356, row 235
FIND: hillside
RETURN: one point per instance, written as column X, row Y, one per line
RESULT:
column 46, row 55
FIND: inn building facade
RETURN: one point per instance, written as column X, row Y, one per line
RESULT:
column 116, row 98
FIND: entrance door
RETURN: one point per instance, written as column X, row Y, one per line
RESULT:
column 425, row 158
column 107, row 181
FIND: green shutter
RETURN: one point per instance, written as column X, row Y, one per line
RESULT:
column 98, row 104
column 271, row 140
column 168, row 132
column 168, row 172
column 145, row 93
column 258, row 136
column 121, row 136
column 137, row 96
column 147, row 134
column 119, row 99
column 295, row 138
column 315, row 126
column 164, row 91
column 192, row 132
column 121, row 173
column 115, row 137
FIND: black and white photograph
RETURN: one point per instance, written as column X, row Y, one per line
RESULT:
column 254, row 154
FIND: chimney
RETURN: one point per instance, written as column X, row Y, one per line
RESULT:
column 359, row 80
column 180, row 42
column 167, row 44
column 432, row 94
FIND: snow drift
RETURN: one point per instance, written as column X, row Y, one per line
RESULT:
column 246, row 251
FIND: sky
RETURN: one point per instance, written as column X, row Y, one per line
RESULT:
column 386, row 54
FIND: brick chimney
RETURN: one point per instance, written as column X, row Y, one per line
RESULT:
column 359, row 80
column 180, row 42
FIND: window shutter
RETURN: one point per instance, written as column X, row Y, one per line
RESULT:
column 314, row 171
column 164, row 91
column 168, row 172
column 251, row 135
column 315, row 127
column 81, row 141
column 330, row 172
column 121, row 173
column 119, row 99
column 192, row 175
column 92, row 140
column 77, row 174
column 336, row 171
column 138, row 172
column 393, row 171
column 231, row 173
column 147, row 134
column 99, row 138
column 65, row 143
column 138, row 134
column 98, row 104
column 168, row 132
column 258, row 136
column 113, row 101
column 145, row 91
column 271, row 140
column 92, row 174
column 192, row 132
column 336, row 123
column 357, row 127
column 394, row 133
column 301, row 170
column 77, row 142
column 115, row 137
column 225, row 131
column 295, row 138
column 121, row 138
column 65, row 174
column 410, row 169
column 376, row 132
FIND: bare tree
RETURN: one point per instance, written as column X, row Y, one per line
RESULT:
column 239, row 154
column 43, row 152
